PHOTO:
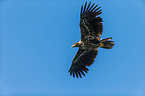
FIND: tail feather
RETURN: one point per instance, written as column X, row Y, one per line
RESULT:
column 106, row 43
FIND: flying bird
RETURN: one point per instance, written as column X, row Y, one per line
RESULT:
column 91, row 31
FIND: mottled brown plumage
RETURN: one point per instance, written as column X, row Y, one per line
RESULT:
column 91, row 31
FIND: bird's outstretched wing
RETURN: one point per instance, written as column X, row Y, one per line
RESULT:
column 89, row 23
column 82, row 59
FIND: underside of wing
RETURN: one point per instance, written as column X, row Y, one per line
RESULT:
column 82, row 59
column 89, row 23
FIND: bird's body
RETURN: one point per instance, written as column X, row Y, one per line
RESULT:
column 91, row 31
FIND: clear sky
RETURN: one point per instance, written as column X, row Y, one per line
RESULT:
column 36, row 54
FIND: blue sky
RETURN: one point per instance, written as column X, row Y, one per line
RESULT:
column 36, row 53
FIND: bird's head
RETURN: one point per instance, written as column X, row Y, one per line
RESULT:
column 76, row 44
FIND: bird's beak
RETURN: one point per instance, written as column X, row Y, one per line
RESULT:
column 72, row 46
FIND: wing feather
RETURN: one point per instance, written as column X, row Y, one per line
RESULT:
column 82, row 59
column 85, row 7
column 88, row 6
column 94, row 8
column 82, row 72
column 91, row 7
column 73, row 73
column 76, row 74
column 89, row 23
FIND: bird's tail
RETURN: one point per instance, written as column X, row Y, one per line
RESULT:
column 106, row 43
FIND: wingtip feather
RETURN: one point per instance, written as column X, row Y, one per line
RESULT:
column 91, row 7
column 88, row 7
column 80, row 74
column 94, row 8
column 85, row 7
column 76, row 74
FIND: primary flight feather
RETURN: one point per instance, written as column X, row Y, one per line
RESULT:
column 91, row 31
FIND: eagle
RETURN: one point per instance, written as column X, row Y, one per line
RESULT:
column 91, row 30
